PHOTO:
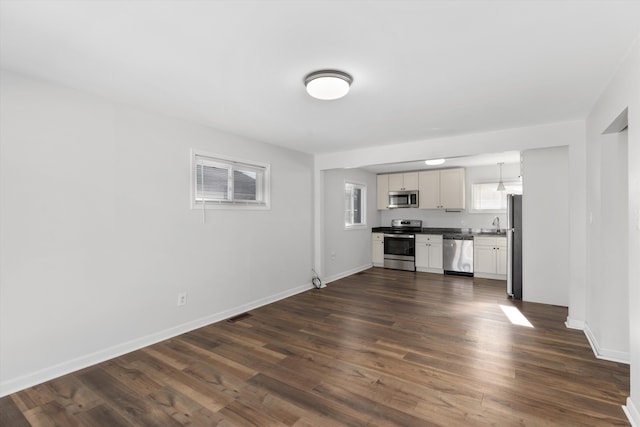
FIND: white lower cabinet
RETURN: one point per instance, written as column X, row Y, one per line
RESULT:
column 377, row 249
column 490, row 257
column 429, row 253
column 501, row 259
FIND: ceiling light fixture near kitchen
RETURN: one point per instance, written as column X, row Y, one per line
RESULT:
column 328, row 84
column 434, row 162
column 500, row 184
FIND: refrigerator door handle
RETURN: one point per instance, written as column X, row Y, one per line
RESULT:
column 510, row 262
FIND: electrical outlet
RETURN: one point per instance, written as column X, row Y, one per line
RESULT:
column 182, row 298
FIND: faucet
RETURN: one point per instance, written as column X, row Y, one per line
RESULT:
column 496, row 223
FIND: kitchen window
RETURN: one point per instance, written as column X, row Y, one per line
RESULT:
column 486, row 198
column 355, row 196
column 219, row 182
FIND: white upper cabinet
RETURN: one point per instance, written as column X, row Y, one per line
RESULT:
column 403, row 181
column 438, row 189
column 442, row 189
column 382, row 191
column 452, row 188
column 411, row 181
column 396, row 181
column 429, row 189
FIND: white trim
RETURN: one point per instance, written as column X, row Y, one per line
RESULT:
column 16, row 384
column 631, row 410
column 347, row 273
column 363, row 205
column 502, row 277
column 356, row 227
column 603, row 353
column 430, row 270
column 574, row 324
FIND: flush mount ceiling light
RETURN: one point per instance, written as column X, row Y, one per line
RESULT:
column 434, row 162
column 328, row 84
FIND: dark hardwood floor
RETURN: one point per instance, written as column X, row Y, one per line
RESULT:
column 377, row 348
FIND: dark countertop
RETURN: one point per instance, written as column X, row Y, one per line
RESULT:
column 463, row 231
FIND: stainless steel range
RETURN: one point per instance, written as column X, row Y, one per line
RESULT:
column 400, row 244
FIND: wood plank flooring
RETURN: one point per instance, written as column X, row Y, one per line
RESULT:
column 379, row 348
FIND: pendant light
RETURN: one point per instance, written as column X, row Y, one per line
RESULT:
column 500, row 184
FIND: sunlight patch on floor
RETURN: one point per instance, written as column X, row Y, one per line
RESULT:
column 515, row 316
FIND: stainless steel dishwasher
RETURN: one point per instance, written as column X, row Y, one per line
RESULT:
column 457, row 254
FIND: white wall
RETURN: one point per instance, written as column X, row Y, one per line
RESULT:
column 519, row 139
column 466, row 218
column 346, row 251
column 577, row 232
column 545, row 226
column 607, row 323
column 97, row 236
column 607, row 319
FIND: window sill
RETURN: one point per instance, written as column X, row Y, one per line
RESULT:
column 232, row 206
column 356, row 227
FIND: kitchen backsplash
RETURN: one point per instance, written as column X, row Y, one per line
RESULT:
column 440, row 219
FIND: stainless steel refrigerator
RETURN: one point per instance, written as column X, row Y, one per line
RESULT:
column 514, row 245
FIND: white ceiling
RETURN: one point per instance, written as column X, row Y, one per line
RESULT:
column 422, row 69
column 506, row 157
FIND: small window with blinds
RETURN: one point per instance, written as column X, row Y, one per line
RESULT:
column 355, row 205
column 219, row 182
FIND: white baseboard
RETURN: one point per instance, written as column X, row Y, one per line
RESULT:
column 574, row 324
column 430, row 270
column 20, row 383
column 603, row 353
column 344, row 274
column 631, row 410
column 490, row 276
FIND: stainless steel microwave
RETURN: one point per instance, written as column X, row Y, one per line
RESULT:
column 403, row 199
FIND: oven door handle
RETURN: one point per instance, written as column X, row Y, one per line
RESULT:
column 400, row 236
